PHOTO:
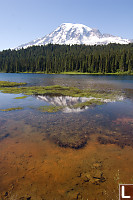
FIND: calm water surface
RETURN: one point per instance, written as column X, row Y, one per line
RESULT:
column 71, row 154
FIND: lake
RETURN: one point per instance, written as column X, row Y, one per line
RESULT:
column 70, row 154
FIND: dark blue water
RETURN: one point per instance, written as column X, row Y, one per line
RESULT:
column 124, row 81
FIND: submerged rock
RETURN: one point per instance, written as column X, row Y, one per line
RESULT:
column 97, row 165
column 95, row 177
column 79, row 196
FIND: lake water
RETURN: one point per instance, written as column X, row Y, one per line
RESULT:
column 71, row 154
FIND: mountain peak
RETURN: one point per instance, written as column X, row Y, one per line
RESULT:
column 70, row 34
column 71, row 25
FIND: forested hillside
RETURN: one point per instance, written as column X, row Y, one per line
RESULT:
column 110, row 58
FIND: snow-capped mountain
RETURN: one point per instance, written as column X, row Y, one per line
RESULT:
column 68, row 33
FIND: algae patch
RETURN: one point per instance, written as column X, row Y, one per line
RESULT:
column 11, row 109
column 95, row 97
column 23, row 97
column 57, row 90
column 91, row 102
column 54, row 90
column 10, row 84
column 50, row 109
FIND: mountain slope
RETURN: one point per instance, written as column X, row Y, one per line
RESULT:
column 68, row 33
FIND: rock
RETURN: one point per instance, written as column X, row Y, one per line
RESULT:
column 95, row 177
column 79, row 196
column 25, row 198
column 97, row 165
column 79, row 175
column 97, row 174
column 95, row 181
column 87, row 177
column 6, row 194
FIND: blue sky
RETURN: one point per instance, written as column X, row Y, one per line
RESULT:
column 24, row 20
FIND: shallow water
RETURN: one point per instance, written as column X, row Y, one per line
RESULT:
column 57, row 155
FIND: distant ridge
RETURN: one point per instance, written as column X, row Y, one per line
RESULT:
column 69, row 34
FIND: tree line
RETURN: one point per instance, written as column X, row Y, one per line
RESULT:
column 51, row 58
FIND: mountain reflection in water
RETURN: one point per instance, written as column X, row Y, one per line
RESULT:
column 67, row 102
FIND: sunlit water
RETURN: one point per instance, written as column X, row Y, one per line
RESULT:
column 52, row 155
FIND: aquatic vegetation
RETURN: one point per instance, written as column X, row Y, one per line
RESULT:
column 68, row 138
column 54, row 90
column 75, row 142
column 50, row 108
column 88, row 103
column 93, row 96
column 120, row 140
column 11, row 109
column 23, row 97
column 10, row 84
column 57, row 90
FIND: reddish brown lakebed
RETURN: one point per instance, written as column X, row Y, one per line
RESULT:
column 66, row 156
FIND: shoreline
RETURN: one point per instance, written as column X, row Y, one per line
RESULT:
column 72, row 73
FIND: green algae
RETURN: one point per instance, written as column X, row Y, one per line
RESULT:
column 10, row 84
column 23, row 97
column 57, row 90
column 98, row 97
column 91, row 102
column 11, row 109
column 50, row 108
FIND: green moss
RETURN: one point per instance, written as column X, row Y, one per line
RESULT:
column 11, row 109
column 10, row 84
column 23, row 97
column 98, row 97
column 57, row 90
column 50, row 109
column 88, row 103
